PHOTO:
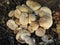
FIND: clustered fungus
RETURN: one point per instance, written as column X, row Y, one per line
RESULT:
column 25, row 21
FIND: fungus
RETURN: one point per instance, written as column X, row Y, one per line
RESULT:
column 32, row 18
column 11, row 13
column 34, row 25
column 22, row 35
column 40, row 32
column 46, row 20
column 33, row 5
column 17, row 13
column 17, row 21
column 23, row 19
column 11, row 24
column 23, row 8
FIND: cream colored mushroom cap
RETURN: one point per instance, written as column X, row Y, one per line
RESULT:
column 40, row 32
column 17, row 13
column 34, row 26
column 46, row 21
column 33, row 5
column 11, row 13
column 18, row 37
column 22, row 8
column 46, row 10
column 23, row 19
column 11, row 24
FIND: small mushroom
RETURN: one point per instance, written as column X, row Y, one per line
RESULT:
column 11, row 24
column 31, row 18
column 24, row 19
column 33, row 5
column 17, row 13
column 46, row 20
column 40, row 32
column 17, row 21
column 30, row 29
column 11, row 13
column 34, row 25
column 23, row 8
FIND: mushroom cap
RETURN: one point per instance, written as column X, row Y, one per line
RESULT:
column 46, row 10
column 46, row 20
column 11, row 13
column 30, row 29
column 23, row 8
column 24, row 19
column 11, row 24
column 18, row 38
column 32, row 17
column 33, row 5
column 17, row 13
column 34, row 25
column 40, row 32
column 17, row 21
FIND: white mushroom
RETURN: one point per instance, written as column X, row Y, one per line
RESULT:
column 33, row 5
column 17, row 13
column 46, row 20
column 11, row 24
column 40, row 32
column 11, row 13
column 24, row 19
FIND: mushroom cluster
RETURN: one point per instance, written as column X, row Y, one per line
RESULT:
column 29, row 18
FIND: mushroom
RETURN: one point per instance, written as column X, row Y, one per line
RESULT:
column 34, row 25
column 33, row 5
column 11, row 13
column 46, row 20
column 18, row 38
column 40, row 32
column 22, row 35
column 23, row 8
column 11, row 24
column 32, row 18
column 30, row 29
column 17, row 21
column 24, row 19
column 17, row 13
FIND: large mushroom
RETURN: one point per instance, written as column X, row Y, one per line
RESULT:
column 46, row 20
column 33, row 5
